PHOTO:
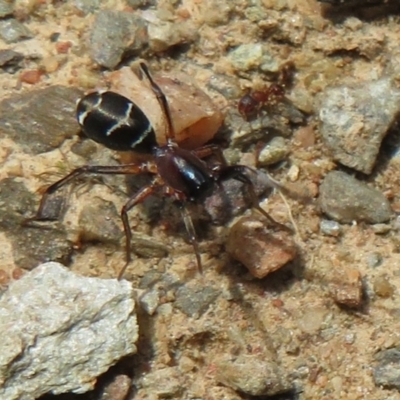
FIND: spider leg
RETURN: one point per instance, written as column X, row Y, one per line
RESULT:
column 210, row 149
column 187, row 219
column 86, row 169
column 137, row 198
column 162, row 100
column 238, row 172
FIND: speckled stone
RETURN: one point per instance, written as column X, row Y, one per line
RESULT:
column 346, row 199
column 60, row 331
column 40, row 120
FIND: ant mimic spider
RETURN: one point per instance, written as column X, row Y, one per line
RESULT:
column 117, row 123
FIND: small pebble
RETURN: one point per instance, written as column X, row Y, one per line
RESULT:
column 293, row 173
column 387, row 371
column 381, row 229
column 31, row 76
column 346, row 199
column 382, row 286
column 164, row 383
column 63, row 47
column 374, row 259
column 330, row 228
column 345, row 286
column 117, row 389
column 276, row 150
column 12, row 31
column 255, row 376
column 149, row 301
column 247, row 56
column 260, row 249
column 50, row 64
column 310, row 320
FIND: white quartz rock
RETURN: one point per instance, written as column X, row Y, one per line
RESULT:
column 59, row 331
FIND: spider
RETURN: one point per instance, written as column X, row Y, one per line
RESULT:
column 117, row 123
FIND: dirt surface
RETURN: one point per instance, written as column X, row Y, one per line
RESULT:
column 320, row 320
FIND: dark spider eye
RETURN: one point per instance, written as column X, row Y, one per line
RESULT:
column 115, row 122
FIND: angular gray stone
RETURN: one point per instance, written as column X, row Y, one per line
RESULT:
column 273, row 152
column 251, row 375
column 346, row 199
column 31, row 246
column 40, row 120
column 194, row 300
column 114, row 35
column 60, row 331
column 387, row 372
column 354, row 120
column 163, row 383
column 99, row 221
column 6, row 9
column 12, row 31
column 10, row 60
column 165, row 34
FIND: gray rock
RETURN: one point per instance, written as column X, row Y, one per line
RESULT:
column 87, row 6
column 354, row 120
column 164, row 383
column 249, row 132
column 359, row 3
column 374, row 259
column 165, row 34
column 61, row 331
column 345, row 199
column 149, row 301
column 141, row 3
column 100, row 222
column 6, row 9
column 276, row 150
column 226, row 85
column 30, row 246
column 387, row 372
column 330, row 228
column 194, row 300
column 10, row 60
column 40, row 120
column 12, row 31
column 252, row 56
column 116, row 34
column 252, row 375
column 145, row 246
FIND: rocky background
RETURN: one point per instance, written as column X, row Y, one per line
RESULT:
column 306, row 314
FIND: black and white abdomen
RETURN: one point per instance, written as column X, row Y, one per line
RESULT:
column 115, row 122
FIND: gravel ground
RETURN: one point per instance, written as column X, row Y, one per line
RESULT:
column 323, row 326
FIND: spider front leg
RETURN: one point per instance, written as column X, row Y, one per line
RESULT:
column 238, row 172
column 126, row 169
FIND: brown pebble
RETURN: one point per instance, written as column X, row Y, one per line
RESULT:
column 118, row 389
column 31, row 76
column 17, row 273
column 63, row 47
column 4, row 278
column 382, row 286
column 277, row 303
column 346, row 286
column 305, row 137
column 50, row 64
column 260, row 249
